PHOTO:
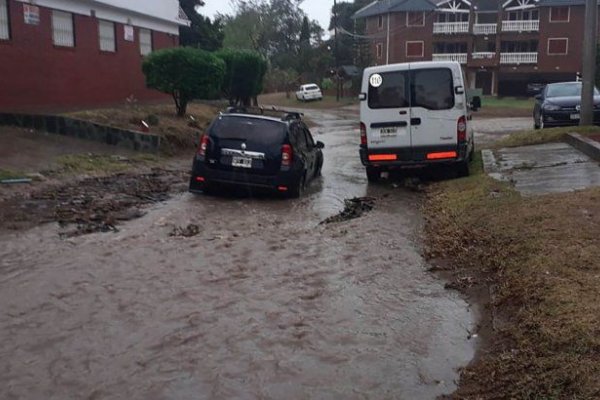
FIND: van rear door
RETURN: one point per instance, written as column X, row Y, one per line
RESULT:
column 435, row 109
column 387, row 117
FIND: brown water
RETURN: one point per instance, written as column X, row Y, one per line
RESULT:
column 264, row 303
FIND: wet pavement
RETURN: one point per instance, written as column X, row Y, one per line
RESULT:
column 542, row 169
column 261, row 302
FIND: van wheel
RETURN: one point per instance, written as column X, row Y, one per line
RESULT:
column 373, row 174
column 462, row 169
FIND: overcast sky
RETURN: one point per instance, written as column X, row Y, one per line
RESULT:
column 316, row 9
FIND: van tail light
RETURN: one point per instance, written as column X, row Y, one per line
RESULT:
column 461, row 129
column 203, row 146
column 363, row 134
column 287, row 155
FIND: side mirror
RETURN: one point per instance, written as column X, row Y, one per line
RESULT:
column 475, row 103
column 538, row 97
column 320, row 145
column 362, row 97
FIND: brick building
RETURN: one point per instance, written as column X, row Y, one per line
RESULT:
column 58, row 54
column 502, row 44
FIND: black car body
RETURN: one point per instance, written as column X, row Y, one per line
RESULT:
column 257, row 151
column 559, row 104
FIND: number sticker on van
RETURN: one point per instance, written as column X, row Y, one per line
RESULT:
column 376, row 80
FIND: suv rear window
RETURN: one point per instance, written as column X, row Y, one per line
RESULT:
column 252, row 129
column 432, row 89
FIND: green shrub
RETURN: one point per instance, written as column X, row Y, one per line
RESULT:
column 327, row 84
column 184, row 73
column 244, row 75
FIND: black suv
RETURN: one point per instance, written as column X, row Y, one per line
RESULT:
column 243, row 148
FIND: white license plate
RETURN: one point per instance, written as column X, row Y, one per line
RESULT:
column 575, row 116
column 241, row 162
column 388, row 132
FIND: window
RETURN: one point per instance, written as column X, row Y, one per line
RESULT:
column 379, row 50
column 415, row 19
column 380, row 22
column 107, row 35
column 393, row 92
column 63, row 31
column 145, row 42
column 560, row 14
column 414, row 49
column 4, row 24
column 558, row 46
column 433, row 89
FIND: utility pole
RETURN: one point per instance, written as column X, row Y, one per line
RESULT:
column 589, row 62
column 335, row 50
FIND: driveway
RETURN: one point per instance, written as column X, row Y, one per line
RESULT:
column 264, row 302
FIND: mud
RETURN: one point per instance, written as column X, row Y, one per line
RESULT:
column 262, row 303
column 353, row 208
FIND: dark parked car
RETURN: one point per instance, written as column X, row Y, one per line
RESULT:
column 244, row 149
column 559, row 104
column 533, row 89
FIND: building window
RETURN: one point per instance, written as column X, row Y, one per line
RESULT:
column 4, row 24
column 379, row 50
column 414, row 49
column 415, row 19
column 560, row 14
column 145, row 42
column 107, row 36
column 380, row 22
column 63, row 30
column 558, row 47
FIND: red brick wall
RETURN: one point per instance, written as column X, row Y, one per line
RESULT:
column 36, row 75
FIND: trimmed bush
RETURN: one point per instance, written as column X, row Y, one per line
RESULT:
column 244, row 75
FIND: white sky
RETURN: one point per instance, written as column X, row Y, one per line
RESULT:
column 316, row 9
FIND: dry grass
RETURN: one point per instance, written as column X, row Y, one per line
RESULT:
column 102, row 164
column 540, row 258
column 541, row 136
column 178, row 132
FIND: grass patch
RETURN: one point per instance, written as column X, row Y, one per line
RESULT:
column 541, row 136
column 96, row 163
column 507, row 102
column 539, row 258
column 10, row 174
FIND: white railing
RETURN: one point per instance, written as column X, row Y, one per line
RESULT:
column 450, row 27
column 458, row 57
column 521, row 26
column 485, row 29
column 518, row 58
column 483, row 55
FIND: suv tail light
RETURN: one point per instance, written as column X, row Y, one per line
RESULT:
column 287, row 155
column 363, row 134
column 461, row 129
column 203, row 146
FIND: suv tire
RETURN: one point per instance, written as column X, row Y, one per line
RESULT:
column 298, row 188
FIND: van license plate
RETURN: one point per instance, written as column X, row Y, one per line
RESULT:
column 575, row 116
column 388, row 132
column 241, row 162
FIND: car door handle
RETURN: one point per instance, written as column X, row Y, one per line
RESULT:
column 415, row 121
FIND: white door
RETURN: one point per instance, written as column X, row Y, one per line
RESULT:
column 386, row 112
column 435, row 107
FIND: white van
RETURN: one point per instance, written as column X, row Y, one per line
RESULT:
column 309, row 92
column 415, row 114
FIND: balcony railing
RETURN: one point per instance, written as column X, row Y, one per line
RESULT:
column 483, row 55
column 450, row 27
column 485, row 29
column 458, row 57
column 518, row 58
column 521, row 26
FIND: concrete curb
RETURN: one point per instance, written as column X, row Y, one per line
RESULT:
column 66, row 126
column 589, row 147
column 490, row 165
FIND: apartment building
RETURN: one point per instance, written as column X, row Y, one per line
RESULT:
column 58, row 54
column 502, row 44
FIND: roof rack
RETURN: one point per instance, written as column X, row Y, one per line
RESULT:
column 272, row 111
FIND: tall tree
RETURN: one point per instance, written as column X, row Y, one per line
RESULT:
column 203, row 33
column 351, row 49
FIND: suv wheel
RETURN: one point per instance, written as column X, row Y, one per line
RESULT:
column 298, row 188
column 373, row 174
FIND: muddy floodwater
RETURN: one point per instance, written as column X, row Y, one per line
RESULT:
column 262, row 302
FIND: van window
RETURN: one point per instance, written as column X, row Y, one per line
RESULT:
column 252, row 129
column 393, row 92
column 433, row 89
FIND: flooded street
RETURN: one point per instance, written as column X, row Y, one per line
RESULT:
column 263, row 303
